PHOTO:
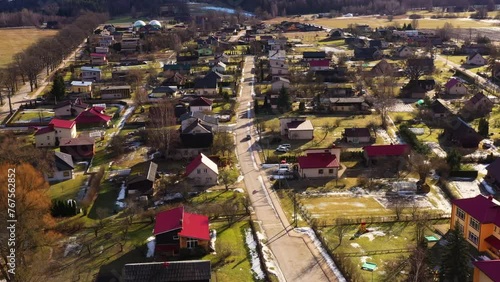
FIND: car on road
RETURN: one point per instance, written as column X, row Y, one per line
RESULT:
column 286, row 146
column 248, row 137
column 282, row 149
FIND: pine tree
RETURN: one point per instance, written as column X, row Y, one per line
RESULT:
column 283, row 99
column 404, row 26
column 256, row 106
column 409, row 27
column 453, row 159
column 455, row 260
column 483, row 127
column 58, row 88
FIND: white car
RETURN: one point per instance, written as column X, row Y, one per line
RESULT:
column 282, row 149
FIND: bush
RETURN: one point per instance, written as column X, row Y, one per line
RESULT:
column 64, row 208
column 414, row 16
column 69, row 228
column 412, row 140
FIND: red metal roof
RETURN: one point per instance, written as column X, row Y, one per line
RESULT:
column 91, row 116
column 319, row 63
column 61, row 123
column 386, row 150
column 44, row 130
column 490, row 268
column 493, row 241
column 98, row 55
column 190, row 225
column 481, row 208
column 201, row 101
column 318, row 160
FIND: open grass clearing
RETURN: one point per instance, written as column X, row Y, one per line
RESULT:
column 347, row 207
column 67, row 189
column 236, row 267
column 15, row 40
column 33, row 116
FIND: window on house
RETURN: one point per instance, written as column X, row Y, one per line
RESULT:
column 198, row 171
column 330, row 171
column 205, row 170
column 191, row 243
column 175, row 237
column 473, row 238
column 320, row 171
column 460, row 226
column 460, row 214
column 474, row 223
column 66, row 174
column 48, row 137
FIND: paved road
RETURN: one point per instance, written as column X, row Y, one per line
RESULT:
column 294, row 253
column 24, row 91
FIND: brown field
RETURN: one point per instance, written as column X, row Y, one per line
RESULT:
column 15, row 40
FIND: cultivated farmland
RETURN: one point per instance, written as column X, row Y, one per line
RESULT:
column 15, row 40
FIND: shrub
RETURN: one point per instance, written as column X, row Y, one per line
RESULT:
column 412, row 140
column 64, row 208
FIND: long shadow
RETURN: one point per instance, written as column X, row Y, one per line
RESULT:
column 112, row 271
column 105, row 200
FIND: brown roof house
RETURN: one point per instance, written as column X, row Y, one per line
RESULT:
column 439, row 109
column 141, row 179
column 297, row 128
column 477, row 106
column 357, row 135
column 417, row 89
column 461, row 133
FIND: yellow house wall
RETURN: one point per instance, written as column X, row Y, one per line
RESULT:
column 479, row 276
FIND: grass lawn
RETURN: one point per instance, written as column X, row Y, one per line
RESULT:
column 220, row 107
column 16, row 39
column 347, row 207
column 33, row 116
column 67, row 189
column 495, row 123
column 105, row 199
column 237, row 266
column 384, row 236
column 457, row 59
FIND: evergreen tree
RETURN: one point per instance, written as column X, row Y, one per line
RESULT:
column 455, row 260
column 409, row 27
column 453, row 159
column 302, row 107
column 483, row 127
column 58, row 88
column 283, row 99
column 404, row 26
column 256, row 106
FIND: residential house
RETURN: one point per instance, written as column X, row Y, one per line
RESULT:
column 296, row 128
column 130, row 45
column 141, row 180
column 475, row 59
column 98, row 59
column 106, row 40
column 368, row 53
column 313, row 56
column 378, row 43
column 479, row 220
column 188, row 118
column 163, row 92
column 90, row 73
column 63, row 168
column 175, row 79
column 277, row 44
column 277, row 63
column 486, row 271
column 417, row 89
column 493, row 174
column 223, row 58
column 279, row 83
column 318, row 65
column 461, row 133
column 177, row 229
column 426, row 65
column 439, row 109
column 383, row 68
column 276, row 55
column 220, row 67
column 404, row 52
column 202, row 171
column 81, row 148
column 478, row 105
column 170, row 69
column 115, row 92
column 357, row 135
column 81, row 87
column 173, row 271
column 101, row 50
column 196, row 134
column 208, row 85
column 319, row 163
column 201, row 104
column 92, row 117
column 51, row 135
column 455, row 86
column 356, row 42
column 337, row 74
column 346, row 104
column 69, row 108
column 336, row 90
column 396, row 154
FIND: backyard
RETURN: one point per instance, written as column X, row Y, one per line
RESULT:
column 27, row 116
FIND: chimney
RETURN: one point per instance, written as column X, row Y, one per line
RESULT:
column 490, row 198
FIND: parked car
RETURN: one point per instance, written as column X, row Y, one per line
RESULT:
column 282, row 149
column 248, row 137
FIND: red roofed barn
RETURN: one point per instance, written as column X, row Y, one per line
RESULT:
column 176, row 229
column 320, row 163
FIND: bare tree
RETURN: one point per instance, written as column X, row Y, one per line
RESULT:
column 414, row 68
column 162, row 134
column 384, row 97
column 340, row 229
column 397, row 206
column 327, row 129
column 223, row 143
column 419, row 269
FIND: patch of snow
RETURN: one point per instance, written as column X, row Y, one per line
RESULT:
column 239, row 190
column 364, row 259
column 481, row 168
column 151, row 247
column 328, row 259
column 487, row 187
column 121, row 195
column 213, row 238
column 355, row 245
column 371, row 235
column 240, row 178
column 252, row 246
column 271, row 266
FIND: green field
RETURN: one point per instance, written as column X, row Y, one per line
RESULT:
column 15, row 40
column 33, row 116
column 67, row 189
